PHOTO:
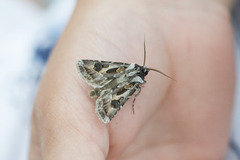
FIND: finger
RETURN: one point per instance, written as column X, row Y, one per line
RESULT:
column 34, row 150
column 64, row 112
column 65, row 121
column 109, row 46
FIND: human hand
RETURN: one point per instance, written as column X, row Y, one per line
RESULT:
column 189, row 119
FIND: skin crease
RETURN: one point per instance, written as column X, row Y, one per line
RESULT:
column 188, row 119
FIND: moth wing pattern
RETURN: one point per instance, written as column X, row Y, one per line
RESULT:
column 113, row 82
column 99, row 73
column 111, row 101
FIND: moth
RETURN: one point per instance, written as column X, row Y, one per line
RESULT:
column 114, row 83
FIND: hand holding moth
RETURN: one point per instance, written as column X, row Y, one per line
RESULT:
column 185, row 120
column 114, row 83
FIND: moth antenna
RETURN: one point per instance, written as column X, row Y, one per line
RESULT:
column 152, row 69
column 144, row 61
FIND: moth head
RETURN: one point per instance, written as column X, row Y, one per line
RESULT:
column 145, row 70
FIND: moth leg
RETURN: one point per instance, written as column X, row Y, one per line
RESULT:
column 135, row 96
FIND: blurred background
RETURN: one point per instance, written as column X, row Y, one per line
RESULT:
column 28, row 31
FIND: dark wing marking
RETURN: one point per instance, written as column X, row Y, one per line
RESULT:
column 99, row 73
column 111, row 101
column 114, row 83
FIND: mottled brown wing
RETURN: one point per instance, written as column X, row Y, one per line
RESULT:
column 111, row 101
column 99, row 73
column 114, row 83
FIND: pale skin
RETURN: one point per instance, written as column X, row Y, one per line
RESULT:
column 189, row 40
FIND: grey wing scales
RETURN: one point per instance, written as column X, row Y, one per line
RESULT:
column 111, row 101
column 99, row 73
column 114, row 83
